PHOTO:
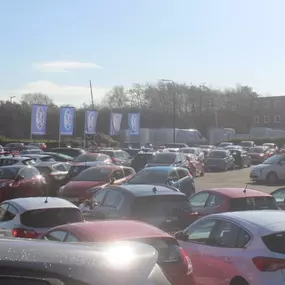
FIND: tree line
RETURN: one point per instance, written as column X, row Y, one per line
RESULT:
column 196, row 107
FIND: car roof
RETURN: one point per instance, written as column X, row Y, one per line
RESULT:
column 17, row 166
column 37, row 203
column 115, row 230
column 37, row 155
column 162, row 168
column 48, row 163
column 269, row 217
column 237, row 192
column 108, row 166
column 144, row 190
column 19, row 158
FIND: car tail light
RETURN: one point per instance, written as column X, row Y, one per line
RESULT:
column 24, row 233
column 187, row 262
column 268, row 264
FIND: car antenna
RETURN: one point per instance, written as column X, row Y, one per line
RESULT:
column 154, row 190
column 244, row 190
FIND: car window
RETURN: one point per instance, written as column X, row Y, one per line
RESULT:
column 126, row 155
column 118, row 174
column 214, row 200
column 173, row 175
column 243, row 239
column 71, row 238
column 29, row 173
column 10, row 213
column 199, row 200
column 113, row 199
column 59, row 167
column 3, row 209
column 201, row 231
column 182, row 173
column 226, row 235
column 118, row 154
column 99, row 196
column 253, row 203
column 128, row 171
column 56, row 235
column 279, row 195
column 103, row 157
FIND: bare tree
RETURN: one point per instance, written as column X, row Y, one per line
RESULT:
column 36, row 98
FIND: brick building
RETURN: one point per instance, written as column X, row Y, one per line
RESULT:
column 269, row 112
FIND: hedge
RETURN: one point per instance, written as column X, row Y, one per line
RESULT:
column 278, row 141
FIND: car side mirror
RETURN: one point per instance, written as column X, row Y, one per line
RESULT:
column 112, row 180
column 181, row 236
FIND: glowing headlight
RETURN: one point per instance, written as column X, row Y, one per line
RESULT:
column 119, row 256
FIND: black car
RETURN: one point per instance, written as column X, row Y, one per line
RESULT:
column 219, row 160
column 73, row 152
column 177, row 177
column 55, row 175
column 174, row 159
column 39, row 262
column 141, row 160
column 241, row 158
column 12, row 160
column 162, row 206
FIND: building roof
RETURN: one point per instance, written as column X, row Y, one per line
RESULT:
column 238, row 192
column 105, row 231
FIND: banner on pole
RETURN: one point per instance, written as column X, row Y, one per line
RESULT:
column 90, row 122
column 115, row 124
column 39, row 119
column 134, row 124
column 66, row 124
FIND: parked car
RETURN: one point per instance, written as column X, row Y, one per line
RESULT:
column 238, row 248
column 42, row 146
column 91, row 157
column 241, row 158
column 247, row 144
column 271, row 170
column 32, row 216
column 162, row 206
column 234, row 147
column 13, row 146
column 194, row 150
column 224, row 144
column 16, row 160
column 218, row 200
column 169, row 159
column 207, row 146
column 141, row 160
column 177, row 177
column 196, row 166
column 84, row 185
column 171, row 257
column 20, row 181
column 175, row 146
column 118, row 156
column 259, row 154
column 219, row 160
column 55, row 175
column 40, row 158
column 273, row 147
column 42, row 262
column 60, row 157
column 73, row 152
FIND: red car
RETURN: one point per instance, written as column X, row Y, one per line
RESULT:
column 171, row 257
column 259, row 154
column 19, row 181
column 218, row 200
column 84, row 185
column 195, row 166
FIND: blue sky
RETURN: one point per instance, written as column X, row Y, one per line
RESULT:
column 55, row 47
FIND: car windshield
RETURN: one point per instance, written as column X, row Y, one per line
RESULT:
column 270, row 145
column 9, row 173
column 47, row 159
column 164, row 158
column 253, row 203
column 246, row 144
column 256, row 150
column 149, row 176
column 86, row 158
column 273, row 159
column 51, row 217
column 217, row 154
column 64, row 156
column 189, row 150
column 94, row 174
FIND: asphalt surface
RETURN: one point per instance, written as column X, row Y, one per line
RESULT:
column 236, row 178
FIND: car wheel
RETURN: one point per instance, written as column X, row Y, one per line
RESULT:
column 239, row 281
column 202, row 172
column 271, row 178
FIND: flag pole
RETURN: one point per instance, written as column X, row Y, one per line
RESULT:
column 59, row 131
column 92, row 102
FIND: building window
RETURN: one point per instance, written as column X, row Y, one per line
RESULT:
column 266, row 104
column 255, row 105
column 256, row 119
column 277, row 119
column 266, row 119
column 276, row 104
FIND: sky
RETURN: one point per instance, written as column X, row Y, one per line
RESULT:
column 55, row 47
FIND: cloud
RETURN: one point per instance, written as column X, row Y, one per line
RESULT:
column 74, row 95
column 64, row 66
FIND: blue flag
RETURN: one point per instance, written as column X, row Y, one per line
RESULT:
column 66, row 124
column 134, row 124
column 90, row 122
column 39, row 119
column 115, row 124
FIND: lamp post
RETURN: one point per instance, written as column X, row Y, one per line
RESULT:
column 174, row 109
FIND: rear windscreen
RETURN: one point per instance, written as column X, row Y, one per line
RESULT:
column 49, row 218
column 275, row 242
column 161, row 206
column 253, row 203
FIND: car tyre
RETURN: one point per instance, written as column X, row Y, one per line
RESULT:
column 271, row 178
column 239, row 281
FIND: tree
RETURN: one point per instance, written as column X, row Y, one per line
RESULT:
column 117, row 98
column 36, row 98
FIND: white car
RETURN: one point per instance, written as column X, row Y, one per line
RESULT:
column 270, row 171
column 237, row 248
